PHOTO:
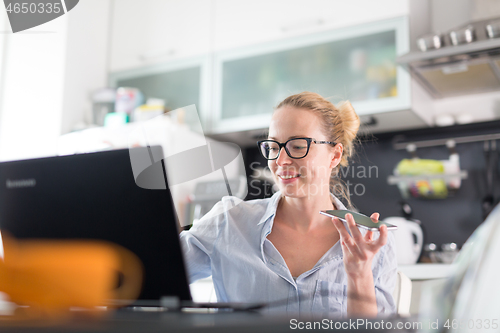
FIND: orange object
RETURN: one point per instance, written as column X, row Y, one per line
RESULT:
column 54, row 275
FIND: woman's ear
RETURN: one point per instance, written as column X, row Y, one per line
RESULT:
column 337, row 155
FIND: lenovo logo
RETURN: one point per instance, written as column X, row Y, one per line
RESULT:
column 20, row 183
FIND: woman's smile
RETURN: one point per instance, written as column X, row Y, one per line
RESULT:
column 287, row 178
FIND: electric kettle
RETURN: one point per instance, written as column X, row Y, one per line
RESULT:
column 409, row 237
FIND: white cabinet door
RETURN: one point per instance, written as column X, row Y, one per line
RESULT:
column 242, row 23
column 354, row 63
column 153, row 31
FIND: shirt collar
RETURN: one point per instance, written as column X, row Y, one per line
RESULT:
column 271, row 208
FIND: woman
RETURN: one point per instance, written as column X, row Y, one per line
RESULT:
column 281, row 250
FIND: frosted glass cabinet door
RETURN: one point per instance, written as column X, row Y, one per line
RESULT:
column 356, row 64
column 178, row 87
column 180, row 83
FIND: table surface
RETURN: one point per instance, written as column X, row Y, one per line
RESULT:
column 125, row 321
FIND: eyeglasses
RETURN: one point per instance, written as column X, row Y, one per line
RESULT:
column 295, row 148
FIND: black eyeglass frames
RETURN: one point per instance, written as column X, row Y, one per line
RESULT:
column 295, row 148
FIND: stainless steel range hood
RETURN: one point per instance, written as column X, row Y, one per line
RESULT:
column 457, row 70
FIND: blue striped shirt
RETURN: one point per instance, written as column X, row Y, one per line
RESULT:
column 231, row 245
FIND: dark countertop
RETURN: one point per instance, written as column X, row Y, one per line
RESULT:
column 131, row 321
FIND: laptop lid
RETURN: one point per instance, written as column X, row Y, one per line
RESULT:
column 95, row 196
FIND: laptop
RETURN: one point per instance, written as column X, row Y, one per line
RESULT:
column 94, row 196
column 97, row 196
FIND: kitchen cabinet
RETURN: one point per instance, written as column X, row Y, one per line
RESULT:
column 244, row 23
column 355, row 63
column 180, row 83
column 235, row 90
column 154, row 31
column 228, row 33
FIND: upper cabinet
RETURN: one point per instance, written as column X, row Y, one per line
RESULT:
column 244, row 23
column 237, row 59
column 149, row 32
column 356, row 63
column 179, row 83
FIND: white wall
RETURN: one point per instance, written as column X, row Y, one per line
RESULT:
column 32, row 90
column 448, row 14
column 420, row 21
column 485, row 9
column 47, row 76
column 86, row 60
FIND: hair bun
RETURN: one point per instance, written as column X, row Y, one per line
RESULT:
column 349, row 129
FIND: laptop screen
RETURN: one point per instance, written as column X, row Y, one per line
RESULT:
column 94, row 196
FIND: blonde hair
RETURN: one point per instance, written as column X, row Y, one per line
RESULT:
column 340, row 125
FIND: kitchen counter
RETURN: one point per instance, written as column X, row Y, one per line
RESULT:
column 426, row 271
column 421, row 275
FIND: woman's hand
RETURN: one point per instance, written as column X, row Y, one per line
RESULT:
column 358, row 252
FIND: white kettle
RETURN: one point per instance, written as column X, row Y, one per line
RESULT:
column 409, row 237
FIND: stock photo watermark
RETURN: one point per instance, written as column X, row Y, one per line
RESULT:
column 26, row 14
column 354, row 185
column 395, row 324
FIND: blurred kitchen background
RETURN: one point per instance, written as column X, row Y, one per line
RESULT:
column 423, row 75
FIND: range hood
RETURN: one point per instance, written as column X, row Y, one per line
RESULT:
column 457, row 70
